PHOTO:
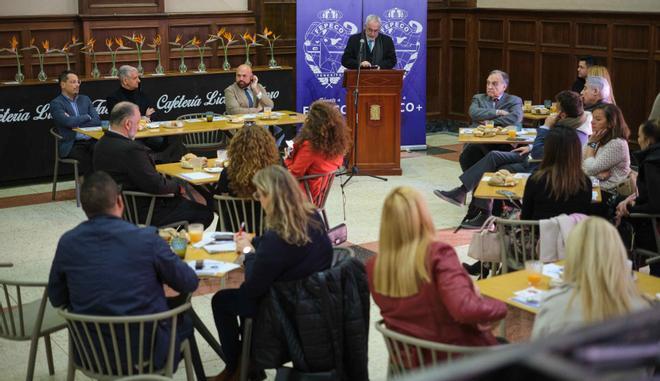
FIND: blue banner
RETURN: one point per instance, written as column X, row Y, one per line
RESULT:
column 323, row 31
column 405, row 22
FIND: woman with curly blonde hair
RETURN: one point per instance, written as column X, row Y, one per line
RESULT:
column 251, row 149
column 321, row 144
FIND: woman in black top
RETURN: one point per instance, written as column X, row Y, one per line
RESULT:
column 294, row 246
column 559, row 185
column 645, row 200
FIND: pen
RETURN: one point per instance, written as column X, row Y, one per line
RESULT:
column 242, row 228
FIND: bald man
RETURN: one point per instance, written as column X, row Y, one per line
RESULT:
column 246, row 95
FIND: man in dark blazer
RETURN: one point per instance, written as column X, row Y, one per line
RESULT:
column 108, row 266
column 377, row 49
column 131, row 165
column 71, row 110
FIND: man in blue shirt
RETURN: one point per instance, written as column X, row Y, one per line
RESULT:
column 108, row 266
column 71, row 110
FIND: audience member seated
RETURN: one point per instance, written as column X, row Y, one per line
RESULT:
column 246, row 95
column 167, row 149
column 606, row 156
column 251, row 149
column 559, row 185
column 107, row 266
column 321, row 144
column 132, row 166
column 570, row 114
column 293, row 247
column 584, row 63
column 418, row 283
column 71, row 110
column 598, row 284
column 596, row 91
column 648, row 182
column 601, row 71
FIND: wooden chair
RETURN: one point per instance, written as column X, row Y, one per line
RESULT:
column 131, row 206
column 207, row 141
column 232, row 211
column 28, row 321
column 408, row 353
column 145, row 377
column 59, row 160
column 518, row 242
column 111, row 356
column 325, row 181
column 647, row 256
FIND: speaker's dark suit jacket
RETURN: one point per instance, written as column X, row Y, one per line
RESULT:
column 382, row 54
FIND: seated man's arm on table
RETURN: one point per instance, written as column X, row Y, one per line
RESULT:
column 63, row 119
column 513, row 106
column 143, row 174
column 58, row 291
column 171, row 269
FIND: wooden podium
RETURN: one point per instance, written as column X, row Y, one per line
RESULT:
column 378, row 148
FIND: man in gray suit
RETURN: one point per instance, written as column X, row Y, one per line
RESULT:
column 246, row 95
column 71, row 110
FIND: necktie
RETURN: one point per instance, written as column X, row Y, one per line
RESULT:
column 371, row 44
column 249, row 97
column 495, row 100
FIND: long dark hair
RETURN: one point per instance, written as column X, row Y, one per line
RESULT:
column 561, row 164
column 616, row 124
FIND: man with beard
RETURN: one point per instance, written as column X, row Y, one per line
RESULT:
column 246, row 95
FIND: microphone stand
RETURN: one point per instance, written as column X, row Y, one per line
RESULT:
column 356, row 94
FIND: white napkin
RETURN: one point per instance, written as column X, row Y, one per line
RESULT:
column 197, row 176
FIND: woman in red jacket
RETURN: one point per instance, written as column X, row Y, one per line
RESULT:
column 321, row 144
column 419, row 284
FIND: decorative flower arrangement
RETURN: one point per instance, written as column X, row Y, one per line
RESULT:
column 46, row 45
column 13, row 48
column 182, row 45
column 155, row 43
column 271, row 45
column 226, row 38
column 201, row 48
column 89, row 50
column 113, row 53
column 249, row 40
column 138, row 40
column 66, row 48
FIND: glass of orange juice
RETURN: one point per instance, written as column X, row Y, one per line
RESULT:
column 512, row 133
column 195, row 231
column 534, row 270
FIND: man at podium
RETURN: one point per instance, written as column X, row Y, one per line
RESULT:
column 377, row 48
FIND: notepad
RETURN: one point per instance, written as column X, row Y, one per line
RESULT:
column 530, row 297
column 220, row 246
column 553, row 271
column 212, row 267
column 197, row 176
column 91, row 128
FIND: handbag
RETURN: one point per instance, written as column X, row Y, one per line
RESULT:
column 338, row 234
column 626, row 187
column 485, row 243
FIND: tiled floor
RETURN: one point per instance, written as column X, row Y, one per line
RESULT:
column 31, row 225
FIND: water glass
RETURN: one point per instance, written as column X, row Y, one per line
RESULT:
column 534, row 270
column 209, row 116
column 179, row 246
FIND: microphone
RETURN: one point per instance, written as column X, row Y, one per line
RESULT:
column 360, row 52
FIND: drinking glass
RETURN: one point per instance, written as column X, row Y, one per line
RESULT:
column 179, row 246
column 527, row 106
column 195, row 231
column 221, row 157
column 267, row 111
column 534, row 270
column 197, row 163
column 209, row 116
column 553, row 107
column 547, row 103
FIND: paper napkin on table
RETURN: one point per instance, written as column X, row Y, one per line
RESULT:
column 197, row 176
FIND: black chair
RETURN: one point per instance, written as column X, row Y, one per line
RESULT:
column 59, row 160
column 642, row 255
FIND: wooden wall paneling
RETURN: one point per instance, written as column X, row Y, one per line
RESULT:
column 522, row 32
column 630, row 79
column 591, row 35
column 631, row 38
column 435, row 67
column 556, row 33
column 120, row 7
column 490, row 30
column 490, row 58
column 556, row 75
column 522, row 68
column 457, row 81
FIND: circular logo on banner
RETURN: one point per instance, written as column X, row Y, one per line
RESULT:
column 324, row 45
column 406, row 36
